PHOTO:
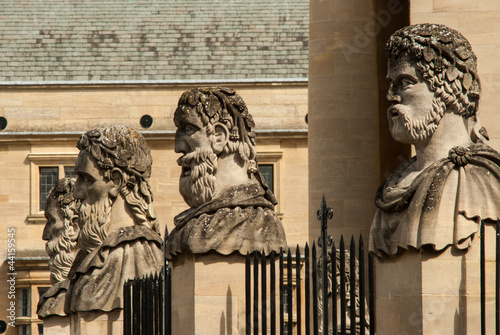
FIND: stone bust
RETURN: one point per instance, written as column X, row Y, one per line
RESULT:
column 61, row 233
column 119, row 237
column 438, row 197
column 232, row 208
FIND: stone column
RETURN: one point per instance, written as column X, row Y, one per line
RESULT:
column 350, row 148
column 343, row 114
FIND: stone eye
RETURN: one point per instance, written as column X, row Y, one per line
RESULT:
column 190, row 130
column 405, row 83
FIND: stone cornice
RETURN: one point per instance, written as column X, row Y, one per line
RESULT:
column 33, row 137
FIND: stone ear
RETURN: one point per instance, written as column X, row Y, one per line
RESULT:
column 220, row 137
column 118, row 180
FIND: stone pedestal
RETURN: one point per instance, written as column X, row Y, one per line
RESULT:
column 95, row 322
column 56, row 325
column 208, row 294
column 428, row 292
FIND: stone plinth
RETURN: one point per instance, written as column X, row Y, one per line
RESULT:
column 56, row 325
column 96, row 322
column 426, row 292
column 208, row 295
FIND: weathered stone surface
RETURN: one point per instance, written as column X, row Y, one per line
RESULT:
column 209, row 294
column 61, row 233
column 232, row 208
column 119, row 237
column 438, row 197
column 430, row 207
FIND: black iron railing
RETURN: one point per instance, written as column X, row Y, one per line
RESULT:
column 292, row 291
column 308, row 285
column 147, row 304
column 483, row 277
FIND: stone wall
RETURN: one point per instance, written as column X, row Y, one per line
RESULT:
column 44, row 125
column 33, row 109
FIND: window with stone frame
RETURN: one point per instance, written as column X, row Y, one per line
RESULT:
column 269, row 167
column 27, row 321
column 49, row 175
column 267, row 171
column 46, row 169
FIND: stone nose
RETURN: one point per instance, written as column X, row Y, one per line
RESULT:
column 78, row 192
column 180, row 144
column 392, row 96
column 46, row 235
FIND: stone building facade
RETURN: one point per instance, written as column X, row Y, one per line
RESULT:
column 70, row 66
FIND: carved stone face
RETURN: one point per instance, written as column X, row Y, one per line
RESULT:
column 90, row 185
column 95, row 211
column 54, row 225
column 410, row 118
column 199, row 162
column 190, row 134
column 60, row 234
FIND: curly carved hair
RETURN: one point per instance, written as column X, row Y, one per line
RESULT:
column 126, row 149
column 224, row 105
column 446, row 61
column 62, row 193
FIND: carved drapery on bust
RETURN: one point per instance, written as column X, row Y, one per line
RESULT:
column 438, row 197
column 61, row 233
column 119, row 237
column 232, row 208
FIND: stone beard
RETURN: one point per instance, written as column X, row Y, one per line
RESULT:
column 60, row 251
column 422, row 128
column 197, row 181
column 94, row 218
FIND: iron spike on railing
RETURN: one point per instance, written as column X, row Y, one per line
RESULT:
column 127, row 303
column 136, row 307
column 482, row 278
column 315, row 290
column 325, row 241
column 272, row 289
column 371, row 295
column 282, row 293
column 248, row 307
column 362, row 309
column 352, row 284
column 263, row 287
column 289, row 292
column 298, row 291
column 343, row 302
column 256, row 293
column 168, row 294
column 497, row 279
column 307, row 289
column 334, row 289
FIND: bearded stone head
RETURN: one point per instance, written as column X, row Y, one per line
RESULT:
column 441, row 59
column 114, row 161
column 61, row 230
column 213, row 123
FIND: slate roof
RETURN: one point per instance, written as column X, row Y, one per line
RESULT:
column 153, row 40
